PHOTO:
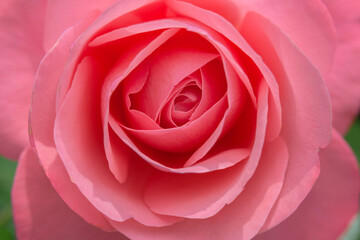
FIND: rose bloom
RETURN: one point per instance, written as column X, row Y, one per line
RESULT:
column 180, row 119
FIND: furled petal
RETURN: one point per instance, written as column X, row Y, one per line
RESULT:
column 331, row 204
column 21, row 24
column 39, row 212
column 172, row 62
column 344, row 79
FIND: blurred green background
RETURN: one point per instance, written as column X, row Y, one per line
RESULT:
column 7, row 171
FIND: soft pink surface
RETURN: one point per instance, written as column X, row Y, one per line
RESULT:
column 344, row 79
column 20, row 53
column 34, row 198
column 178, row 119
column 331, row 204
column 242, row 218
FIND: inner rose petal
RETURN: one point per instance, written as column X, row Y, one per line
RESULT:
column 181, row 105
column 169, row 65
column 187, row 98
column 141, row 140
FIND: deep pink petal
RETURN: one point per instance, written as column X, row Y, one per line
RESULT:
column 172, row 62
column 305, row 105
column 40, row 213
column 332, row 203
column 184, row 138
column 344, row 79
column 212, row 90
column 21, row 24
column 128, row 75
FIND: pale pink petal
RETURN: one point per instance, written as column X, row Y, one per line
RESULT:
column 192, row 195
column 61, row 15
column 121, row 14
column 332, row 203
column 42, row 116
column 314, row 34
column 40, row 213
column 344, row 79
column 241, row 219
column 306, row 110
column 21, row 24
column 308, row 24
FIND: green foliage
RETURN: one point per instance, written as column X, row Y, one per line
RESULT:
column 353, row 138
column 7, row 171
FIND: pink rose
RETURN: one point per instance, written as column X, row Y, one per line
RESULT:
column 177, row 119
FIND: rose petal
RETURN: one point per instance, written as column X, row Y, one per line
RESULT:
column 123, row 13
column 343, row 81
column 129, row 75
column 306, row 110
column 62, row 14
column 171, row 63
column 212, row 90
column 78, row 137
column 331, row 204
column 41, row 129
column 314, row 34
column 129, row 60
column 188, row 195
column 21, row 50
column 219, row 24
column 40, row 213
column 241, row 219
column 226, row 184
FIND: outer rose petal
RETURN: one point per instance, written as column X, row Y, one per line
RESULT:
column 61, row 15
column 306, row 111
column 313, row 34
column 331, row 204
column 344, row 79
column 40, row 214
column 21, row 24
column 240, row 219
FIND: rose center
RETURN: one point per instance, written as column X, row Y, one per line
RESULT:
column 187, row 99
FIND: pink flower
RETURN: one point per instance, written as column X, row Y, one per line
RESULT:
column 178, row 119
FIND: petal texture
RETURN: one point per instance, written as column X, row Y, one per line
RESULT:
column 21, row 24
column 331, row 204
column 40, row 213
column 344, row 79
